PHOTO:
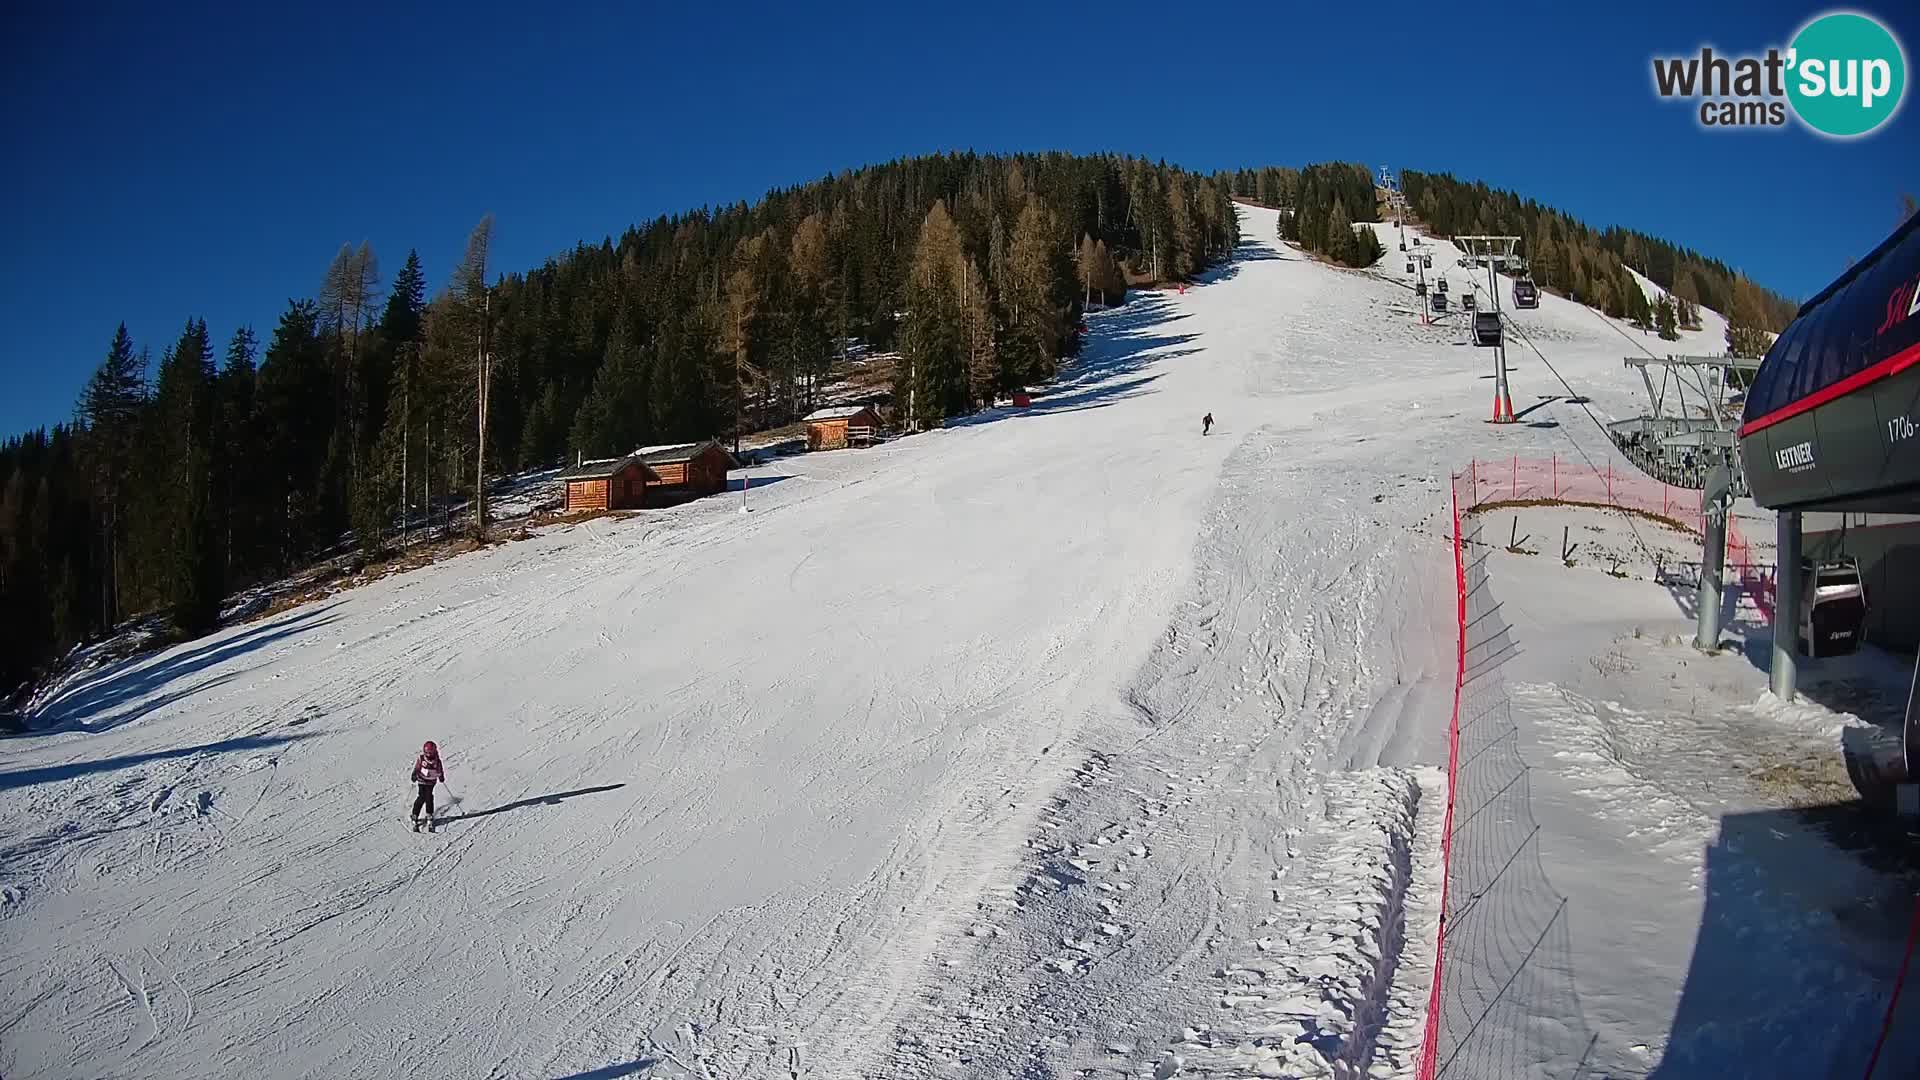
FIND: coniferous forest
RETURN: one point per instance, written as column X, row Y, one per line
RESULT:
column 1565, row 255
column 227, row 461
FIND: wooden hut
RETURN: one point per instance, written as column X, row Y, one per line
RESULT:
column 607, row 484
column 650, row 476
column 836, row 428
column 683, row 471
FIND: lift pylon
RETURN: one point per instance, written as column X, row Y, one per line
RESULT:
column 1498, row 252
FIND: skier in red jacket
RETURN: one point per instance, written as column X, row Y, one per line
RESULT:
column 427, row 771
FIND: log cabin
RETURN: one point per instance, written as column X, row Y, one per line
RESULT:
column 650, row 476
column 681, row 471
column 606, row 484
column 837, row 428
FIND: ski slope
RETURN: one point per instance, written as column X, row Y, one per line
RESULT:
column 1059, row 739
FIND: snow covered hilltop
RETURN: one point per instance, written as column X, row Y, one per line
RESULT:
column 1057, row 740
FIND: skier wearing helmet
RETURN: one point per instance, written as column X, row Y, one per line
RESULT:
column 427, row 771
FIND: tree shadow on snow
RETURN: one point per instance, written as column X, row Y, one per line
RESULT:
column 1801, row 935
column 754, row 483
column 554, row 799
column 1246, row 251
column 612, row 1072
column 1124, row 342
column 46, row 774
column 90, row 704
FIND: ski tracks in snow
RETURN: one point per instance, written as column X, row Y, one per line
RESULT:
column 1213, row 893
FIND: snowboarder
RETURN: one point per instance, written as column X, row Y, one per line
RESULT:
column 427, row 771
column 1206, row 424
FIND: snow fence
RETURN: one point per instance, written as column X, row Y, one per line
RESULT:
column 1553, row 479
column 1503, row 1002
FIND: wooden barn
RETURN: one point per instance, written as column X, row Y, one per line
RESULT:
column 847, row 425
column 607, row 484
column 650, row 476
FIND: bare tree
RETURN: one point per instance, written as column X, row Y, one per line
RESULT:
column 347, row 297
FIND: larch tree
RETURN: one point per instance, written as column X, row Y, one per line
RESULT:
column 984, row 376
column 1035, row 307
column 347, row 297
column 1086, row 259
column 933, row 381
column 472, row 309
column 1746, row 321
column 1182, row 230
column 745, row 331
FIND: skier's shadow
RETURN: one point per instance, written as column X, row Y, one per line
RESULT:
column 538, row 800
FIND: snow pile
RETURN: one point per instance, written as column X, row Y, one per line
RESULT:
column 1309, row 995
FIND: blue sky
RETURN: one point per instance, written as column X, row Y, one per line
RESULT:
column 165, row 162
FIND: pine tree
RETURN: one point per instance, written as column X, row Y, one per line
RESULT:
column 184, row 412
column 1669, row 331
column 110, row 406
column 400, row 322
column 614, row 419
column 1339, row 241
column 295, row 409
column 238, row 459
column 809, row 326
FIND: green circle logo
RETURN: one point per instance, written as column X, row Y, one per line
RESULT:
column 1846, row 74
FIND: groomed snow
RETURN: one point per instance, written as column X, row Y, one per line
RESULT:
column 1062, row 739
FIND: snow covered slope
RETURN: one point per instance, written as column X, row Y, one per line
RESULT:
column 1063, row 738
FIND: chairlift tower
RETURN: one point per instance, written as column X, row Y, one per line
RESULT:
column 1694, row 444
column 1389, row 183
column 1497, row 251
column 1693, row 420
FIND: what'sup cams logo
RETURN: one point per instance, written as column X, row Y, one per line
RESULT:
column 1843, row 76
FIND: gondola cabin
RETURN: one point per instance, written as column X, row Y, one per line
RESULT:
column 1468, row 302
column 1526, row 294
column 1439, row 301
column 1486, row 329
